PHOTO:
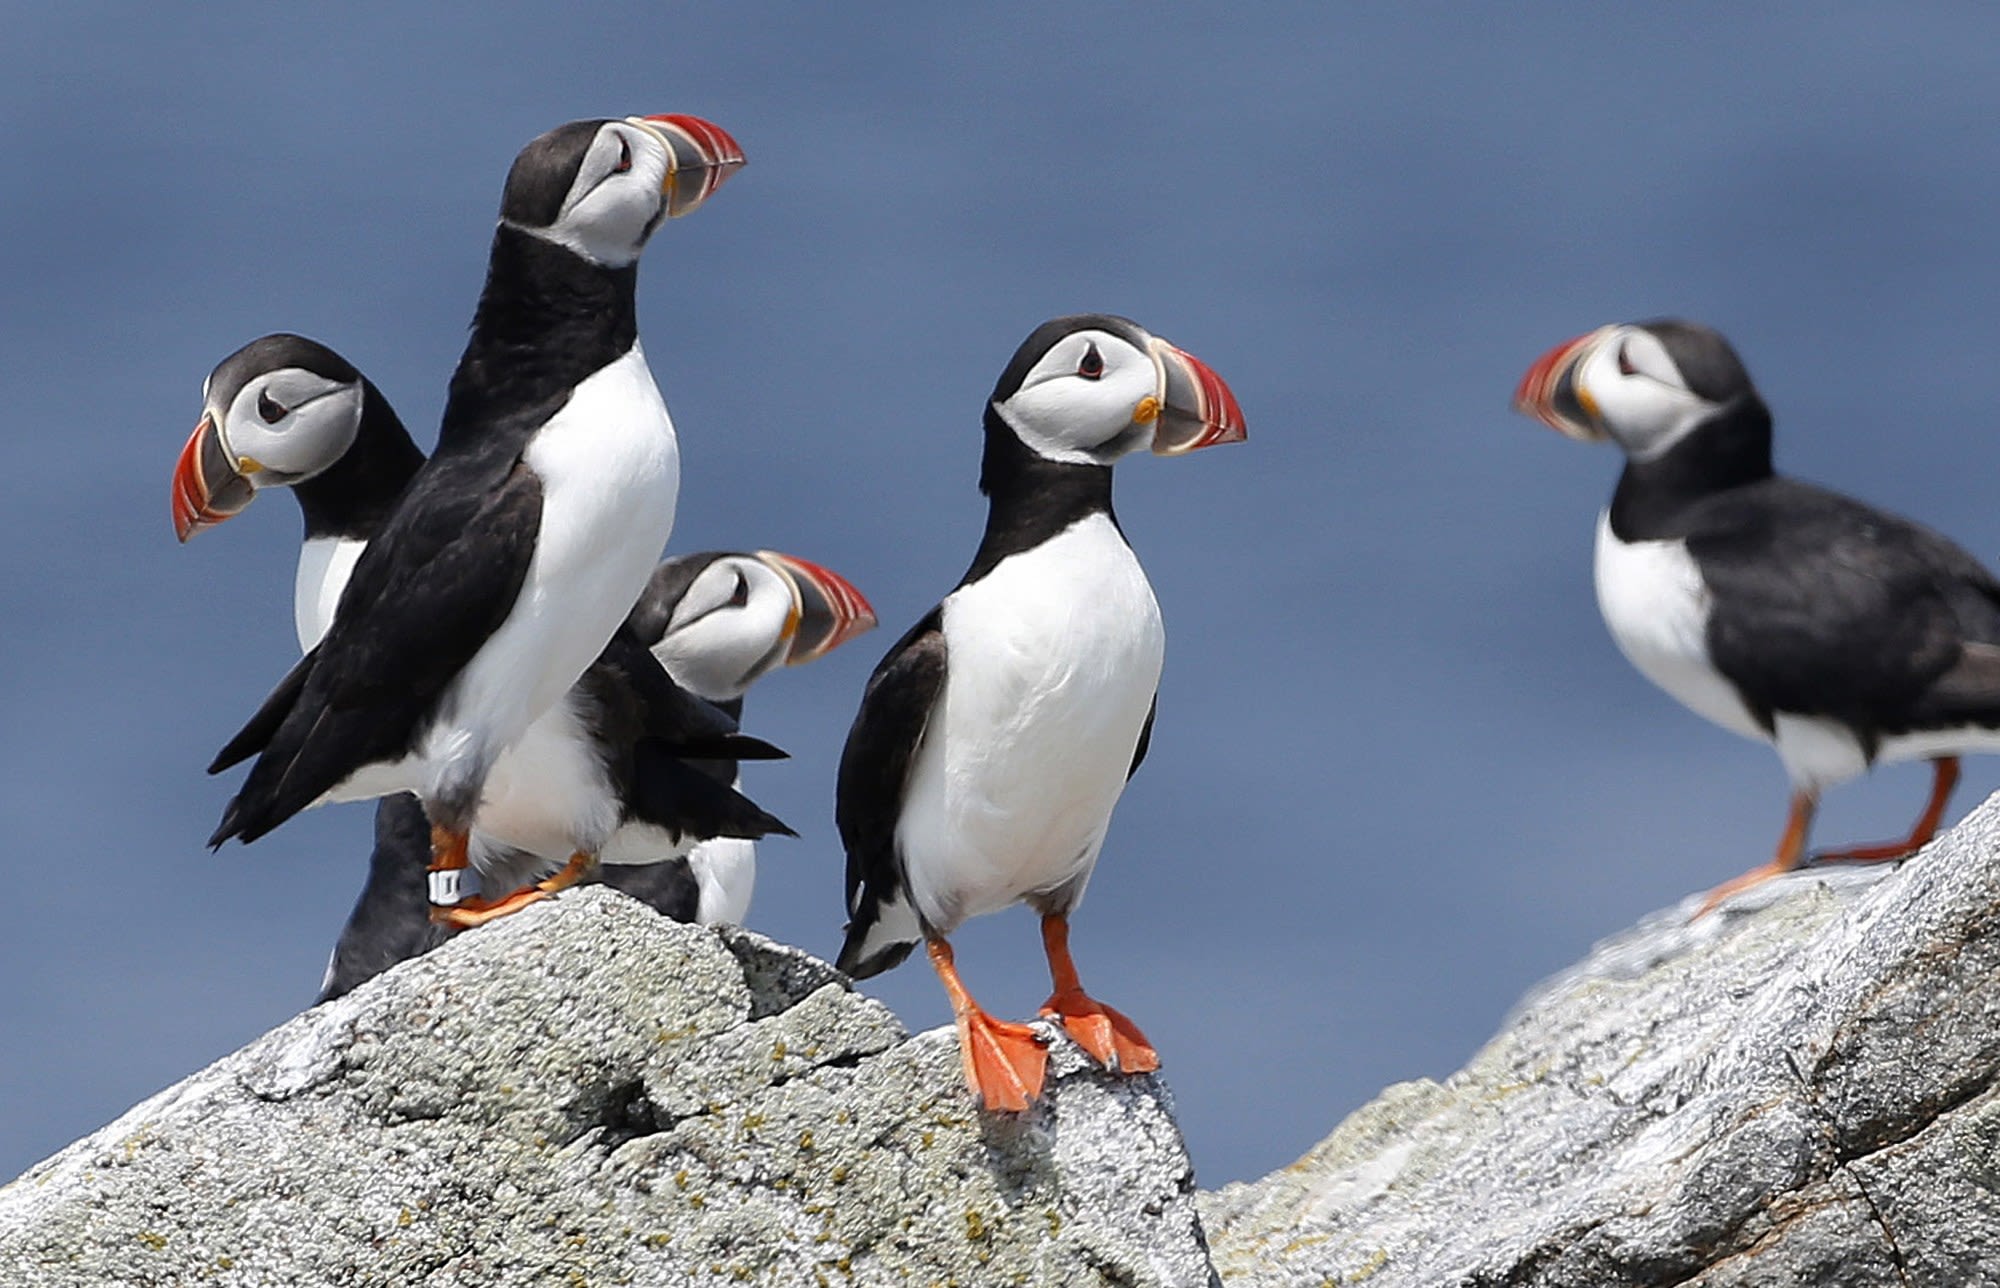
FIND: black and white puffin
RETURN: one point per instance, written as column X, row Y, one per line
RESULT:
column 717, row 621
column 995, row 738
column 515, row 553
column 1840, row 634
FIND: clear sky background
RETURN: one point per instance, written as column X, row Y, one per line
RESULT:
column 1400, row 771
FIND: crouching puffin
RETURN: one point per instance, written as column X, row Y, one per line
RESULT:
column 995, row 738
column 717, row 621
column 1840, row 634
column 513, row 555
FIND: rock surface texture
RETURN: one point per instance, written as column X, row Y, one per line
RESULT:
column 1797, row 1090
column 589, row 1094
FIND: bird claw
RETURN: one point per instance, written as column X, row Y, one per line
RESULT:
column 1105, row 1034
column 1005, row 1063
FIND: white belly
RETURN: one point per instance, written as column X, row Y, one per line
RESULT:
column 547, row 794
column 325, row 563
column 1052, row 662
column 1656, row 606
column 610, row 473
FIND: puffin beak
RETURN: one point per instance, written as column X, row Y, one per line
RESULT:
column 1194, row 408
column 701, row 154
column 827, row 610
column 207, row 486
column 1550, row 393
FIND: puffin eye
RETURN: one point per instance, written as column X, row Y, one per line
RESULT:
column 742, row 595
column 1625, row 367
column 1092, row 365
column 270, row 410
column 624, row 157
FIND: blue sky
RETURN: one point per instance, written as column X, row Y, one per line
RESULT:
column 1400, row 772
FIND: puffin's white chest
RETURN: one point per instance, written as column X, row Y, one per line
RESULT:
column 610, row 474
column 1656, row 606
column 1052, row 661
column 325, row 563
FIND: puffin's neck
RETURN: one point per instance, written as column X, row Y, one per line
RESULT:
column 1729, row 451
column 547, row 320
column 352, row 498
column 1031, row 498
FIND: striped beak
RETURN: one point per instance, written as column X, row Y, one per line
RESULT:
column 207, row 486
column 701, row 155
column 1550, row 392
column 1196, row 409
column 827, row 611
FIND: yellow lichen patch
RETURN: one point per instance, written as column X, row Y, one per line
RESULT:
column 152, row 1240
column 778, row 1049
column 975, row 1226
column 659, row 1239
column 805, row 1140
column 404, row 1216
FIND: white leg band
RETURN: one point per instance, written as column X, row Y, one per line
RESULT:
column 447, row 886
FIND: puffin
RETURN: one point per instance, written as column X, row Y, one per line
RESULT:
column 994, row 739
column 717, row 621
column 1841, row 634
column 513, row 555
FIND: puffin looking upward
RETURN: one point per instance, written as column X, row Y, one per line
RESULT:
column 1839, row 633
column 516, row 551
column 717, row 621
column 995, row 738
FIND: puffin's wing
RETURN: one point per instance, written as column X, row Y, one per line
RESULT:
column 1823, row 605
column 671, row 793
column 423, row 598
column 683, row 723
column 874, row 774
column 1145, row 743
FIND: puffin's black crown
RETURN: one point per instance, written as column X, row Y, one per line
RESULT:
column 275, row 352
column 1051, row 333
column 544, row 172
column 1705, row 360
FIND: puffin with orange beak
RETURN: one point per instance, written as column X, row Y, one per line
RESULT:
column 512, row 557
column 716, row 621
column 994, row 740
column 1840, row 634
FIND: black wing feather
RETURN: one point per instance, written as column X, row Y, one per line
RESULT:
column 672, row 794
column 875, row 772
column 424, row 597
column 1825, row 606
column 1145, row 738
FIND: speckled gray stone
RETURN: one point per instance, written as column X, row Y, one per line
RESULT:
column 1799, row 1090
column 589, row 1094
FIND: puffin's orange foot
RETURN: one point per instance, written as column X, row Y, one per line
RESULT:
column 477, row 912
column 1887, row 853
column 1111, row 1039
column 1737, row 885
column 1004, row 1062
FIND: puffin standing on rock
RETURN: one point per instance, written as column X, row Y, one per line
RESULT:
column 516, row 551
column 717, row 621
column 1840, row 634
column 995, row 738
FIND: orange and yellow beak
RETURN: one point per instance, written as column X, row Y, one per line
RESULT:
column 827, row 611
column 701, row 155
column 208, row 488
column 1550, row 393
column 1195, row 409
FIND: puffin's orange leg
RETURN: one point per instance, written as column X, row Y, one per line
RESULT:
column 1004, row 1062
column 1943, row 781
column 1111, row 1039
column 468, row 913
column 1791, row 849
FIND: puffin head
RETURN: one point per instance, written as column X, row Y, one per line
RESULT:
column 719, row 620
column 1090, row 388
column 274, row 413
column 1642, row 385
column 601, row 187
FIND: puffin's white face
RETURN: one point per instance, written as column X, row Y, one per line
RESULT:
column 1642, row 400
column 284, row 426
column 1092, row 398
column 743, row 615
column 618, row 196
column 734, row 623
